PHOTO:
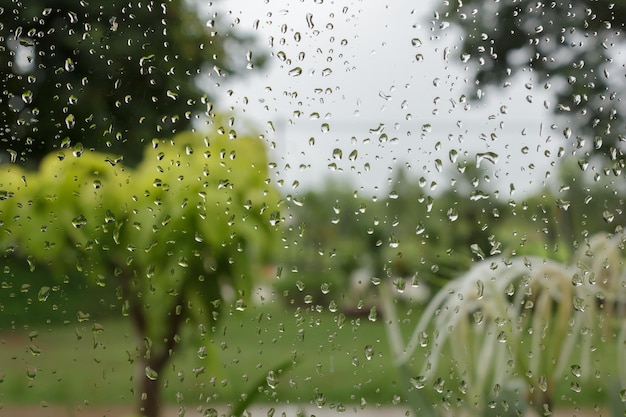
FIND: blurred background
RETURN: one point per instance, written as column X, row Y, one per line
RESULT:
column 206, row 205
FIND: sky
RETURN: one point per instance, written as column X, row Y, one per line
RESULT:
column 356, row 90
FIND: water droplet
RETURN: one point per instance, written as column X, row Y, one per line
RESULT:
column 202, row 352
column 480, row 289
column 478, row 316
column 70, row 121
column 487, row 156
column 476, row 250
column 31, row 267
column 69, row 65
column 418, row 382
column 563, row 204
column 422, row 339
column 79, row 221
column 151, row 374
column 78, row 150
column 373, row 315
column 384, row 96
column 43, row 294
column 31, row 372
column 34, row 350
column 320, row 400
column 240, row 305
column 463, row 387
column 438, row 385
column 73, row 17
column 295, row 72
column 578, row 303
column 337, row 153
column 82, row 316
column 309, row 20
column 369, row 352
column 27, row 96
column 567, row 132
column 576, row 370
column 399, row 284
column 416, row 42
column 341, row 320
column 452, row 214
column 271, row 379
column 478, row 195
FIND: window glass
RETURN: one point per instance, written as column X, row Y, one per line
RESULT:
column 312, row 208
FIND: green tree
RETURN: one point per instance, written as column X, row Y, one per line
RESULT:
column 107, row 75
column 570, row 48
column 195, row 215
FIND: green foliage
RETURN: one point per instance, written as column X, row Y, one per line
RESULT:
column 107, row 75
column 195, row 215
column 195, row 210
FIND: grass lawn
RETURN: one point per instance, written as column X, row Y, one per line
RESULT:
column 338, row 360
column 95, row 362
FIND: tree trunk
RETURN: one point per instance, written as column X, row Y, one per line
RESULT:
column 153, row 357
column 150, row 390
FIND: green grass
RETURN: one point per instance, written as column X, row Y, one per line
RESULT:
column 77, row 365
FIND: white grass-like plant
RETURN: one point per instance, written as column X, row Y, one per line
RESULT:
column 523, row 319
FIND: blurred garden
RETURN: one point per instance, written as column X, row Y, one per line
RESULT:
column 151, row 257
column 108, row 269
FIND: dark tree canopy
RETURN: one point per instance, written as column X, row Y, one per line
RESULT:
column 106, row 75
column 571, row 47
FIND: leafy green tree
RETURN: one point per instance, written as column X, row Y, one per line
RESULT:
column 107, row 75
column 571, row 48
column 195, row 215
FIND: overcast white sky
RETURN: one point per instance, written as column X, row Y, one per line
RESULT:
column 384, row 80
